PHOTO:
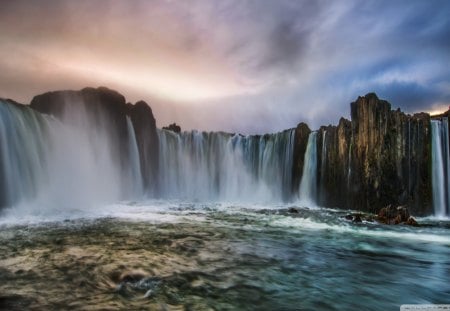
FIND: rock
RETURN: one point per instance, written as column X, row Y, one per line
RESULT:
column 300, row 142
column 412, row 222
column 357, row 218
column 173, row 127
column 380, row 157
column 144, row 125
column 391, row 215
column 104, row 106
column 293, row 210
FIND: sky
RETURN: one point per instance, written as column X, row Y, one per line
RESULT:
column 249, row 66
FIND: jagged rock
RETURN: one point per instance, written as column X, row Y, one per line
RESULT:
column 379, row 157
column 391, row 215
column 412, row 222
column 173, row 127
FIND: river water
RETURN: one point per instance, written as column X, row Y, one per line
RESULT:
column 171, row 255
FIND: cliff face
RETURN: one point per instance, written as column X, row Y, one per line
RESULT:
column 300, row 143
column 380, row 157
column 333, row 145
column 102, row 108
column 147, row 141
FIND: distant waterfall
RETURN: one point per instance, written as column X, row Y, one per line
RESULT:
column 440, row 167
column 308, row 184
column 210, row 166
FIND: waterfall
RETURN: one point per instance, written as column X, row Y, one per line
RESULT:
column 219, row 166
column 440, row 167
column 22, row 152
column 48, row 165
column 308, row 184
column 135, row 165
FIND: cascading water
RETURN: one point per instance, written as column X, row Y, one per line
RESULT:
column 22, row 152
column 440, row 167
column 49, row 165
column 220, row 166
column 308, row 184
column 135, row 165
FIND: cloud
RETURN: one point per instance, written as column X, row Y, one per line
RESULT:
column 238, row 65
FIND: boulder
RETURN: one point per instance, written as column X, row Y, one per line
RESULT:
column 391, row 215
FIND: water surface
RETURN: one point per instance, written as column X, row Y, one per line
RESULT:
column 192, row 256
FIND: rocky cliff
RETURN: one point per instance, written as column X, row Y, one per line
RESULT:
column 380, row 157
column 107, row 109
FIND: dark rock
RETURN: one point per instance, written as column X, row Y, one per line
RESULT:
column 391, row 215
column 380, row 157
column 300, row 142
column 173, row 127
column 412, row 222
column 108, row 108
column 144, row 125
column 357, row 218
column 293, row 210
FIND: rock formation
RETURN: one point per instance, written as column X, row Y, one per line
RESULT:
column 380, row 157
column 173, row 127
column 300, row 142
column 108, row 108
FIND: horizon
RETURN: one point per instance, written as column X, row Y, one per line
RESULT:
column 160, row 125
column 212, row 65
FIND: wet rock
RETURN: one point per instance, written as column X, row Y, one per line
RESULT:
column 412, row 222
column 381, row 156
column 293, row 210
column 356, row 217
column 391, row 215
column 300, row 143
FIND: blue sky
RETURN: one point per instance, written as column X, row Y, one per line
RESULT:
column 246, row 66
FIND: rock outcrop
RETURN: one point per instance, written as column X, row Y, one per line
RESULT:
column 107, row 109
column 144, row 125
column 391, row 215
column 380, row 157
column 300, row 143
column 173, row 127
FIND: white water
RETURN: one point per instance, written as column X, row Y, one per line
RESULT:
column 135, row 164
column 440, row 166
column 47, row 165
column 308, row 184
column 219, row 166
